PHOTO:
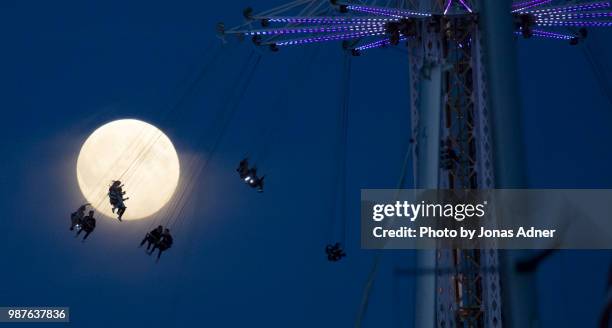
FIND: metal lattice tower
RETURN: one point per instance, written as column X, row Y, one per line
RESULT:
column 451, row 119
column 448, row 55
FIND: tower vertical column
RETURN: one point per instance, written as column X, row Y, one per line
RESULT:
column 426, row 98
column 518, row 293
column 428, row 154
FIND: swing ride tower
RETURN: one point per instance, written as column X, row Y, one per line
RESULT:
column 465, row 117
column 450, row 124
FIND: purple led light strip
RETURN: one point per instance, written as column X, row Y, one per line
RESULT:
column 465, row 5
column 575, row 23
column 329, row 20
column 374, row 44
column 525, row 3
column 448, row 4
column 388, row 11
column 585, row 7
column 547, row 36
column 375, row 12
column 378, row 44
column 553, row 34
column 342, row 36
column 535, row 3
column 571, row 16
column 296, row 30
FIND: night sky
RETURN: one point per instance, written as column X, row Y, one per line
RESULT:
column 242, row 258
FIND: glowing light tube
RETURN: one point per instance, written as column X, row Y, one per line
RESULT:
column 535, row 3
column 330, row 20
column 583, row 7
column 342, row 36
column 320, row 29
column 388, row 11
column 574, row 23
column 378, row 44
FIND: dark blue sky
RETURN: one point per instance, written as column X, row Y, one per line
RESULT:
column 242, row 258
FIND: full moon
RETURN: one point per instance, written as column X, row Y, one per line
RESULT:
column 138, row 154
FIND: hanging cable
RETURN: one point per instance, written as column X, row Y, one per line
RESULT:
column 598, row 72
column 298, row 77
column 181, row 203
column 191, row 88
column 339, row 179
column 372, row 276
column 150, row 141
column 344, row 154
column 365, row 297
column 193, row 167
column 175, row 110
column 232, row 107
